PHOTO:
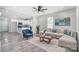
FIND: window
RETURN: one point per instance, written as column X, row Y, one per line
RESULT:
column 50, row 22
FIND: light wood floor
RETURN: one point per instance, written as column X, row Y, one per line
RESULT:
column 13, row 42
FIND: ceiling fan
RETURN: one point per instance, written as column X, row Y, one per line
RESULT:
column 39, row 9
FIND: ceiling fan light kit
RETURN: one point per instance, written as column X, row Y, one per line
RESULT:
column 39, row 9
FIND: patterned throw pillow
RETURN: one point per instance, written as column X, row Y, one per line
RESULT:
column 67, row 32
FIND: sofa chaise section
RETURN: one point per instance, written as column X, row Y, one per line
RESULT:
column 68, row 42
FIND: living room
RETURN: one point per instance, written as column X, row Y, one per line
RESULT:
column 58, row 19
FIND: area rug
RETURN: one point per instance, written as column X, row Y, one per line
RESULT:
column 12, row 42
column 52, row 47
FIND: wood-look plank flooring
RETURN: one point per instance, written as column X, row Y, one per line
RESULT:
column 13, row 42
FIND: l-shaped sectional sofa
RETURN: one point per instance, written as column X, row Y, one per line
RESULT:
column 67, row 38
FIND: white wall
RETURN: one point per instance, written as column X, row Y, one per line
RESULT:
column 77, row 18
column 42, row 20
column 77, row 11
column 34, row 24
column 68, row 13
column 3, row 24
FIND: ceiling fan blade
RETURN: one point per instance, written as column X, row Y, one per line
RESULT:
column 39, row 7
column 44, row 9
column 34, row 8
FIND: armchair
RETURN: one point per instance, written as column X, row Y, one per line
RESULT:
column 27, row 33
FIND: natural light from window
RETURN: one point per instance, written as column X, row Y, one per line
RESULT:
column 50, row 22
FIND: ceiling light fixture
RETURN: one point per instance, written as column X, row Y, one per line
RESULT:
column 39, row 9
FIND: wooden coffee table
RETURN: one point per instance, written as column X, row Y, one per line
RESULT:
column 45, row 38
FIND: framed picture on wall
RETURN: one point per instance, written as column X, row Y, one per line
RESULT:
column 62, row 21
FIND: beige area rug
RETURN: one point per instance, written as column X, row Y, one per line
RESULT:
column 52, row 47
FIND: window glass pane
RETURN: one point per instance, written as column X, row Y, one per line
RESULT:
column 50, row 22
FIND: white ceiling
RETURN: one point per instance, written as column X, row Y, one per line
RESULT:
column 27, row 11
